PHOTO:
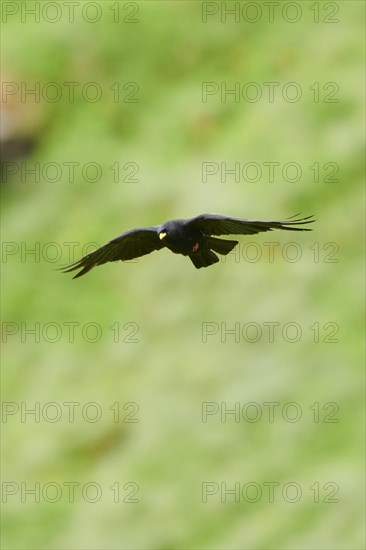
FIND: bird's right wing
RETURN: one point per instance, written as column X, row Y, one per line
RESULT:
column 129, row 245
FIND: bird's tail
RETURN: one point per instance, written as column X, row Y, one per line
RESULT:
column 204, row 257
column 220, row 245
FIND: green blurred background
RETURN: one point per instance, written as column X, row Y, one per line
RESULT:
column 162, row 303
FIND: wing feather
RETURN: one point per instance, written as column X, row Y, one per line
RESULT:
column 214, row 224
column 129, row 245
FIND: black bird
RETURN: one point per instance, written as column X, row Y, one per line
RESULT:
column 192, row 237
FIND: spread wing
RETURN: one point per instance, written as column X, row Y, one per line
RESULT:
column 129, row 245
column 214, row 224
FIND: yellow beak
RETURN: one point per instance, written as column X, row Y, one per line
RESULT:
column 162, row 236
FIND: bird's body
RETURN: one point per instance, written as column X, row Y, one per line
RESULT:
column 179, row 237
column 193, row 237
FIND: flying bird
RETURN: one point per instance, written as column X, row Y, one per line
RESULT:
column 193, row 237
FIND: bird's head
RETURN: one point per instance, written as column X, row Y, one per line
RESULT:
column 166, row 231
column 171, row 233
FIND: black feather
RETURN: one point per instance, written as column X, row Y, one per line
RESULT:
column 192, row 237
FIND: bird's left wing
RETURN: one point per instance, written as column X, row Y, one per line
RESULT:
column 129, row 245
column 214, row 224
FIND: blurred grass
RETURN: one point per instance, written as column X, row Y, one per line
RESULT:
column 170, row 372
